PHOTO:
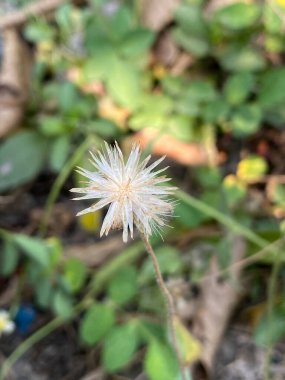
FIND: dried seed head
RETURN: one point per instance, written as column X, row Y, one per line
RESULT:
column 131, row 189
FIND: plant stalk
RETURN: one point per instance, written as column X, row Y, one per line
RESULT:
column 171, row 313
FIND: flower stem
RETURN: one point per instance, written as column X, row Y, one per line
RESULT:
column 171, row 314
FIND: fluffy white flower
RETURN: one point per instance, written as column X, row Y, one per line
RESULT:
column 6, row 325
column 131, row 189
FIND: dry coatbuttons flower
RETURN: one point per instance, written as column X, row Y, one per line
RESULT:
column 132, row 191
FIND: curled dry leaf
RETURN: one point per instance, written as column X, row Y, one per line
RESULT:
column 217, row 300
column 14, row 80
column 185, row 153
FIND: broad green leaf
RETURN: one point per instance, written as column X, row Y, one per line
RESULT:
column 272, row 88
column 53, row 126
column 74, row 274
column 160, row 362
column 190, row 19
column 238, row 87
column 241, row 58
column 238, row 16
column 200, row 91
column 267, row 333
column 103, row 127
column 39, row 30
column 189, row 216
column 9, row 258
column 96, row 323
column 123, row 286
column 181, row 127
column 119, row 347
column 246, row 119
column 100, row 64
column 216, row 111
column 272, row 20
column 123, row 84
column 21, row 159
column 34, row 248
column 62, row 304
column 197, row 46
column 43, row 292
column 59, row 152
column 67, row 96
column 136, row 42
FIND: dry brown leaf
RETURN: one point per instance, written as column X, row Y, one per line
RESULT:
column 185, row 153
column 95, row 254
column 156, row 14
column 217, row 300
column 14, row 81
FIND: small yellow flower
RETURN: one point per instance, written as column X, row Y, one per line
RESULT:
column 7, row 326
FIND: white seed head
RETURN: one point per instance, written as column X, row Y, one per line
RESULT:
column 131, row 189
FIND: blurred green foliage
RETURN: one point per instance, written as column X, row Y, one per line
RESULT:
column 94, row 77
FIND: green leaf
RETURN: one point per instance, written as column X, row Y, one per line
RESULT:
column 160, row 362
column 181, row 127
column 200, row 91
column 136, row 42
column 43, row 292
column 103, row 127
column 241, row 58
column 246, row 119
column 119, row 347
column 272, row 92
column 9, row 258
column 197, row 46
column 21, row 159
column 59, row 152
column 74, row 274
column 238, row 87
column 123, row 84
column 101, row 61
column 34, row 248
column 216, row 111
column 62, row 304
column 189, row 216
column 67, row 96
column 96, row 323
column 266, row 333
column 123, row 286
column 190, row 19
column 39, row 31
column 53, row 126
column 238, row 16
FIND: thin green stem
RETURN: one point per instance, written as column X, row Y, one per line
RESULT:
column 59, row 182
column 170, row 307
column 222, row 218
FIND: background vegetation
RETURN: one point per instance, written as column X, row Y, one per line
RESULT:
column 206, row 79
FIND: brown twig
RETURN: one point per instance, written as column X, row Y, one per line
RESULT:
column 168, row 300
column 38, row 8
